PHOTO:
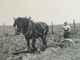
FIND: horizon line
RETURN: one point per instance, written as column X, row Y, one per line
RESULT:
column 47, row 24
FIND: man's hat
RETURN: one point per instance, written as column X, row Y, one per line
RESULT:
column 65, row 22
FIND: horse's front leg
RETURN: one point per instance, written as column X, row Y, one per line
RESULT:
column 33, row 43
column 28, row 44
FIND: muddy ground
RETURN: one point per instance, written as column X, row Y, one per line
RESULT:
column 9, row 43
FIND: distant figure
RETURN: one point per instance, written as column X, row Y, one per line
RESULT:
column 66, row 29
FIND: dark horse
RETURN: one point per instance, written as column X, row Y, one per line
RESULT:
column 31, row 30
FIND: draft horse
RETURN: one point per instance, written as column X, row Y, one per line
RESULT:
column 31, row 30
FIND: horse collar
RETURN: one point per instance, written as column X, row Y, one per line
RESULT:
column 29, row 28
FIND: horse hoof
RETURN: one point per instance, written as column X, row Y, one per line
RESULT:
column 27, row 51
column 33, row 50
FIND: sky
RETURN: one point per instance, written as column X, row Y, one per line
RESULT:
column 47, row 11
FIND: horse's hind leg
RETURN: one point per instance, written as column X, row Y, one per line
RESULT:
column 44, row 41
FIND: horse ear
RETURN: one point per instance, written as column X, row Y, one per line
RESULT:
column 14, row 18
column 25, row 17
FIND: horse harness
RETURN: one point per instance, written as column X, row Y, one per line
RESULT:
column 43, row 26
column 30, row 28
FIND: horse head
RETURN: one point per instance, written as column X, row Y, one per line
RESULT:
column 20, row 23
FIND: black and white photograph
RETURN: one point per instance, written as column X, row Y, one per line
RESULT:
column 39, row 29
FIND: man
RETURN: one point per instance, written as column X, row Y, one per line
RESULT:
column 66, row 29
